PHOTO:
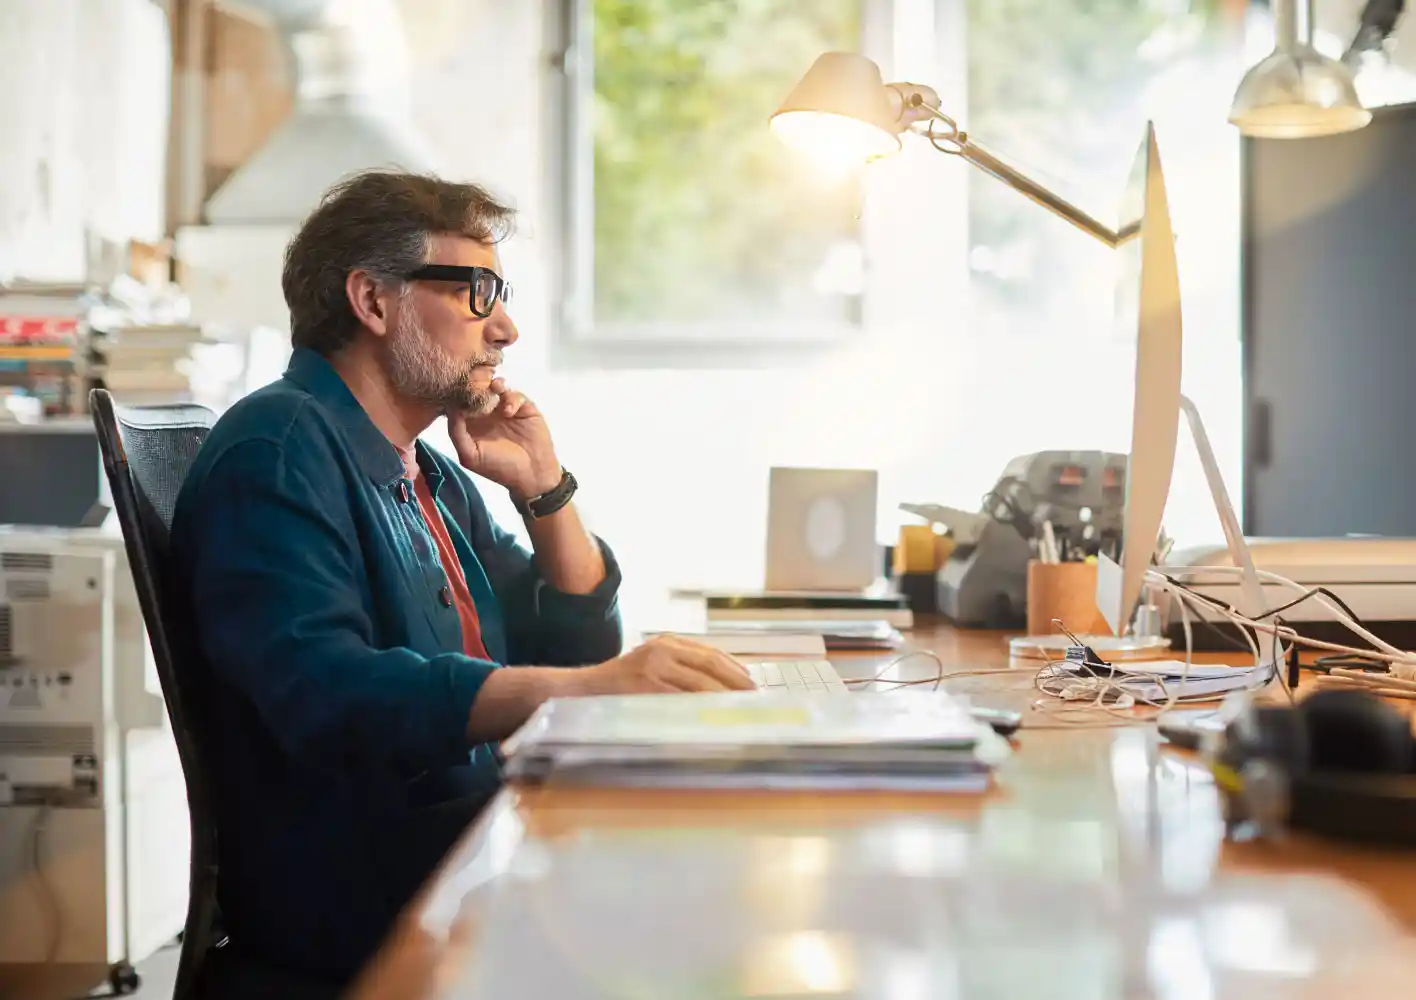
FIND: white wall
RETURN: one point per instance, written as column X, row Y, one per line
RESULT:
column 83, row 127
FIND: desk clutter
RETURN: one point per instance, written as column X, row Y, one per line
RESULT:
column 765, row 739
column 822, row 569
column 1058, row 508
column 131, row 335
column 1027, row 556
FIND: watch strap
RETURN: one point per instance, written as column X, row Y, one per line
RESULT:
column 551, row 501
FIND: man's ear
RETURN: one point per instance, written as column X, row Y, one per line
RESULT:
column 370, row 299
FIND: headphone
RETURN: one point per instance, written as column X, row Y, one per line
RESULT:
column 1341, row 764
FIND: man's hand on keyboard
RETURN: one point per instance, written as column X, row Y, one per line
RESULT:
column 668, row 663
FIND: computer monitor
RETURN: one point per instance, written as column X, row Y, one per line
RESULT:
column 51, row 475
column 1148, row 302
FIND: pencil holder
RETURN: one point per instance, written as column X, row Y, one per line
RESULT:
column 1065, row 590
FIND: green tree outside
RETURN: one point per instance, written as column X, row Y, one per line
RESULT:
column 700, row 212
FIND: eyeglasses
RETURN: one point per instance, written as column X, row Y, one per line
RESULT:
column 485, row 285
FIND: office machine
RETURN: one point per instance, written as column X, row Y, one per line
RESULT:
column 1081, row 494
column 1375, row 577
column 51, row 475
column 93, row 814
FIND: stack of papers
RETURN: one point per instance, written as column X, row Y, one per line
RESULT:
column 835, row 635
column 758, row 643
column 764, row 739
column 809, row 605
column 1158, row 680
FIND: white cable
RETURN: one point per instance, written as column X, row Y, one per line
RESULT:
column 1123, row 701
column 1395, row 655
column 1103, row 688
column 1338, row 612
column 939, row 675
column 1187, row 600
column 1402, row 664
column 1276, row 662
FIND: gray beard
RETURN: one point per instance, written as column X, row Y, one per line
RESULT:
column 422, row 369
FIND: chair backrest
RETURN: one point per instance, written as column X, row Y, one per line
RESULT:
column 147, row 452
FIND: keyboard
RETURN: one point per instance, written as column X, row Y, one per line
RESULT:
column 819, row 675
column 796, row 675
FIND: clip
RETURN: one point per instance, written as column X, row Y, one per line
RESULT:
column 1079, row 652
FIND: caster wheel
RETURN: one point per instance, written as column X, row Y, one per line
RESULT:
column 124, row 979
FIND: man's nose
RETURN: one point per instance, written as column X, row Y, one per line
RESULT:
column 500, row 330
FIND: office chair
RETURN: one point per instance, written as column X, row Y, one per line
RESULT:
column 146, row 454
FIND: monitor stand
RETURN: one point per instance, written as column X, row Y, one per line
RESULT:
column 1250, row 589
column 1109, row 572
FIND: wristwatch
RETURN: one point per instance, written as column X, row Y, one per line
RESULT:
column 549, row 502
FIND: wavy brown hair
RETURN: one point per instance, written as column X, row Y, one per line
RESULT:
column 381, row 222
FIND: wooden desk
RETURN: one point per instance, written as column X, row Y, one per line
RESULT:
column 1096, row 868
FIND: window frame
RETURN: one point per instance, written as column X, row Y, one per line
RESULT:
column 578, row 341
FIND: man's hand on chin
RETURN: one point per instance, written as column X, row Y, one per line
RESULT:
column 510, row 445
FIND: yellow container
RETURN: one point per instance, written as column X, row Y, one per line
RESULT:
column 918, row 550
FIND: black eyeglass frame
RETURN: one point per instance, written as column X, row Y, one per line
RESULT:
column 470, row 276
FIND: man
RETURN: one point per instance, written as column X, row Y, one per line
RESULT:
column 351, row 597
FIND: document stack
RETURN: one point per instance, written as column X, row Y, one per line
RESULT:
column 763, row 739
column 142, row 364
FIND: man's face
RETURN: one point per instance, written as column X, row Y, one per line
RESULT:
column 438, row 352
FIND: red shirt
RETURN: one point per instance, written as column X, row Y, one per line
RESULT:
column 452, row 566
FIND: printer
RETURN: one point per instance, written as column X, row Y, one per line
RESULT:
column 1375, row 577
column 1081, row 494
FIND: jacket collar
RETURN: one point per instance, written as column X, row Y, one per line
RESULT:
column 428, row 465
column 375, row 453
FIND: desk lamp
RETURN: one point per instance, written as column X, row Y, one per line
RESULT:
column 1296, row 92
column 843, row 110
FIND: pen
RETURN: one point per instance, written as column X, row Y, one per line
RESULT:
column 1051, row 553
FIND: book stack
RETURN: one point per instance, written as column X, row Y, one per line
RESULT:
column 762, row 739
column 42, row 332
column 143, row 364
column 855, row 620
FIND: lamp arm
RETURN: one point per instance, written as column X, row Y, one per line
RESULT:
column 916, row 105
column 1031, row 189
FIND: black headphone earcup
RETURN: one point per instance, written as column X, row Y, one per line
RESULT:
column 1280, row 735
column 1355, row 731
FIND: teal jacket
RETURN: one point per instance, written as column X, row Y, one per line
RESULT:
column 338, row 693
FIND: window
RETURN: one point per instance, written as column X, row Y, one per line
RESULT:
column 687, row 222
column 1063, row 89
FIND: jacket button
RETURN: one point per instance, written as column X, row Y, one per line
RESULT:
column 445, row 595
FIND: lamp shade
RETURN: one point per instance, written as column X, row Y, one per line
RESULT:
column 1297, row 93
column 840, row 109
